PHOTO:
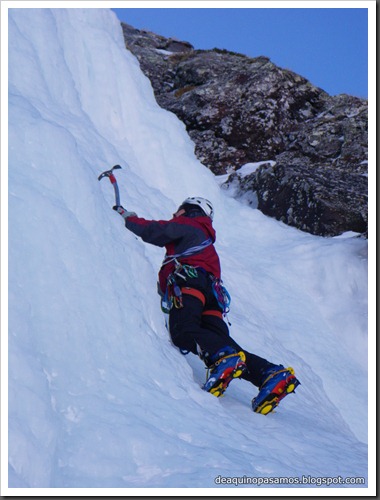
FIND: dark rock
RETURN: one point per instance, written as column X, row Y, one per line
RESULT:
column 318, row 200
column 240, row 110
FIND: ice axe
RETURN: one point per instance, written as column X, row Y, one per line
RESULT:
column 112, row 178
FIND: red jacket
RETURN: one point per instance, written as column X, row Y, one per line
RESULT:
column 178, row 235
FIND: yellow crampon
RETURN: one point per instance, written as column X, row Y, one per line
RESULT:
column 219, row 389
column 289, row 369
column 271, row 401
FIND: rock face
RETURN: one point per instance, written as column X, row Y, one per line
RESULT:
column 240, row 110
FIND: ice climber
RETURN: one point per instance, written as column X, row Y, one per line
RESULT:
column 195, row 299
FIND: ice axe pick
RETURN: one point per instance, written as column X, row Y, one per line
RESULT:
column 112, row 178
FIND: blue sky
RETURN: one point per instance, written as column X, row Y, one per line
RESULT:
column 328, row 46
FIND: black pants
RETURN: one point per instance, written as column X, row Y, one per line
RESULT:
column 199, row 322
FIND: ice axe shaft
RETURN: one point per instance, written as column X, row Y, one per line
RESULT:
column 112, row 178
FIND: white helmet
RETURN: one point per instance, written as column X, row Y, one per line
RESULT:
column 202, row 203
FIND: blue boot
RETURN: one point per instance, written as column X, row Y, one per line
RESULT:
column 224, row 366
column 278, row 383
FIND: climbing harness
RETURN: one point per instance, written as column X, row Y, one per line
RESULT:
column 173, row 293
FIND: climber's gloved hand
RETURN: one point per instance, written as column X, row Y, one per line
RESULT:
column 123, row 212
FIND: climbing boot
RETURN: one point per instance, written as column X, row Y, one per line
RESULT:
column 278, row 383
column 229, row 364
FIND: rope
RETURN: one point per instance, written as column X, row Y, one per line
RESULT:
column 188, row 252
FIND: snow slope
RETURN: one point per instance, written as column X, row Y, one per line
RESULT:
column 98, row 397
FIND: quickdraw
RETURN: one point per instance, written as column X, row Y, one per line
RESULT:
column 221, row 294
column 190, row 271
column 174, row 293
